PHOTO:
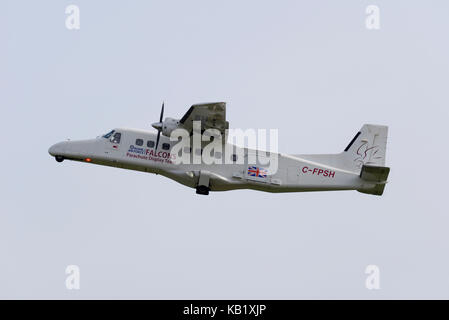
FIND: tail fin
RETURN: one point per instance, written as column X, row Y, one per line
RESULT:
column 366, row 152
column 368, row 147
column 365, row 155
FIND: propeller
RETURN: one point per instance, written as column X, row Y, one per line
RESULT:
column 158, row 125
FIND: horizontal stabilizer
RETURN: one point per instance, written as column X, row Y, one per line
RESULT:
column 377, row 175
column 374, row 173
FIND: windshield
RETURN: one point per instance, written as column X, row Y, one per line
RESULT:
column 107, row 135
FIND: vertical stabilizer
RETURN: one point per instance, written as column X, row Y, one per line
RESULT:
column 368, row 147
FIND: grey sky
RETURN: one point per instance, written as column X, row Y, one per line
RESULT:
column 308, row 68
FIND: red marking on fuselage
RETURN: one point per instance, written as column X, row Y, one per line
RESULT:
column 319, row 172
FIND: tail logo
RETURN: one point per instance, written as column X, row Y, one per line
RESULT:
column 364, row 156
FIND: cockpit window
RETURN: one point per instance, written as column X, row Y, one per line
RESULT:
column 116, row 137
column 107, row 135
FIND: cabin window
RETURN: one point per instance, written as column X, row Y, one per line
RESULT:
column 218, row 155
column 187, row 149
column 166, row 146
column 150, row 144
column 234, row 157
column 139, row 142
column 116, row 137
column 198, row 152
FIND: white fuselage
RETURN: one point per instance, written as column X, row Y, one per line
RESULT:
column 294, row 172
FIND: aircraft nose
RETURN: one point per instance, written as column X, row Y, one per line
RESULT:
column 56, row 149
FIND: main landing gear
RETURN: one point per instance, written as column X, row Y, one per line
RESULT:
column 203, row 183
column 202, row 190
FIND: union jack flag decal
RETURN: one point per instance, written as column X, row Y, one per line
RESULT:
column 257, row 172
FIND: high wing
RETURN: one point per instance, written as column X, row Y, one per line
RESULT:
column 212, row 116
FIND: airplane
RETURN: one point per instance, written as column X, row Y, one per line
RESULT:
column 360, row 166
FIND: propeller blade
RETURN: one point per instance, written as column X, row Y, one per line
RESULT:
column 158, row 125
column 157, row 140
column 162, row 112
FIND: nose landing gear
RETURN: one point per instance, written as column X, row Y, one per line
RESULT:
column 59, row 158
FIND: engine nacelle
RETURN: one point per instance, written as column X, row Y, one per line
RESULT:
column 168, row 125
